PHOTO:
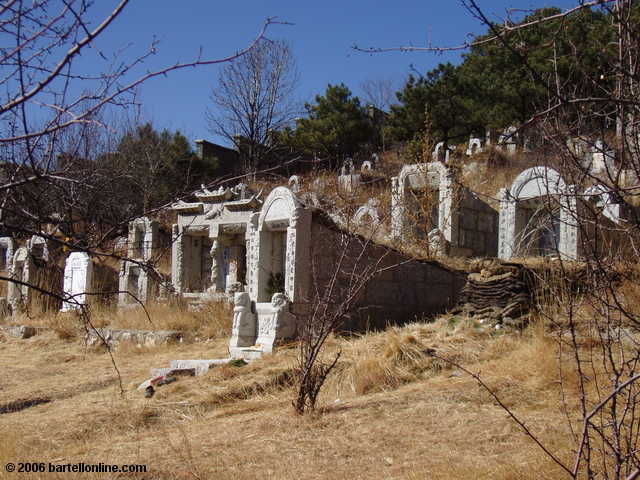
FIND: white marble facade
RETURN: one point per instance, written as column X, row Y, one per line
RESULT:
column 277, row 270
column 538, row 216
column 23, row 269
column 136, row 283
column 406, row 215
column 210, row 242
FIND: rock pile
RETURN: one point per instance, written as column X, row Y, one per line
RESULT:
column 498, row 295
column 147, row 338
column 21, row 331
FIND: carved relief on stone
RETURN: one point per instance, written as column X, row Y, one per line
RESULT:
column 282, row 323
column 290, row 263
column 243, row 329
column 214, row 265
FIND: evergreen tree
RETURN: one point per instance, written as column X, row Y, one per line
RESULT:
column 337, row 125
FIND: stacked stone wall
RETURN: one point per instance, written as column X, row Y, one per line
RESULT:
column 406, row 289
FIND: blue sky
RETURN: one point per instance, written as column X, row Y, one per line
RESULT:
column 321, row 37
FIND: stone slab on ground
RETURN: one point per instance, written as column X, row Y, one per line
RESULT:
column 140, row 337
column 21, row 331
column 246, row 353
column 200, row 366
column 173, row 372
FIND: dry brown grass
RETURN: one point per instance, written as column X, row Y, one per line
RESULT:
column 491, row 171
column 213, row 320
column 390, row 411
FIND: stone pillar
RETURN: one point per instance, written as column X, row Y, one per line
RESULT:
column 235, row 257
column 507, row 227
column 448, row 209
column 150, row 239
column 22, row 269
column 215, row 266
column 177, row 258
column 568, row 246
column 123, row 284
column 397, row 209
column 297, row 261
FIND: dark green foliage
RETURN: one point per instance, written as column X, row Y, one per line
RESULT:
column 337, row 125
column 504, row 83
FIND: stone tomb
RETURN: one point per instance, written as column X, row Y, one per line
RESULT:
column 536, row 216
column 348, row 180
column 608, row 223
column 509, row 139
column 474, row 146
column 144, row 246
column 458, row 222
column 368, row 219
column 30, row 266
column 293, row 253
column 294, row 183
column 78, row 276
column 540, row 216
column 210, row 242
column 441, row 154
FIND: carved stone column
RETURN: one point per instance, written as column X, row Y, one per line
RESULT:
column 177, row 258
column 235, row 267
column 507, row 228
column 397, row 209
column 215, row 265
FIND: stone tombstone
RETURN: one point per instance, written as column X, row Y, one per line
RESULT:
column 436, row 155
column 508, row 139
column 475, row 146
column 347, row 167
column 368, row 215
column 348, row 179
column 294, row 183
column 78, row 272
column 38, row 247
column 611, row 207
column 375, row 160
column 294, row 254
column 349, row 183
column 441, row 154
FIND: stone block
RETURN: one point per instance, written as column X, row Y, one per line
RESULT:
column 200, row 367
column 486, row 222
column 22, row 331
column 139, row 337
column 173, row 372
column 469, row 219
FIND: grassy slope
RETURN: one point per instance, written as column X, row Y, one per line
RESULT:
column 388, row 412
